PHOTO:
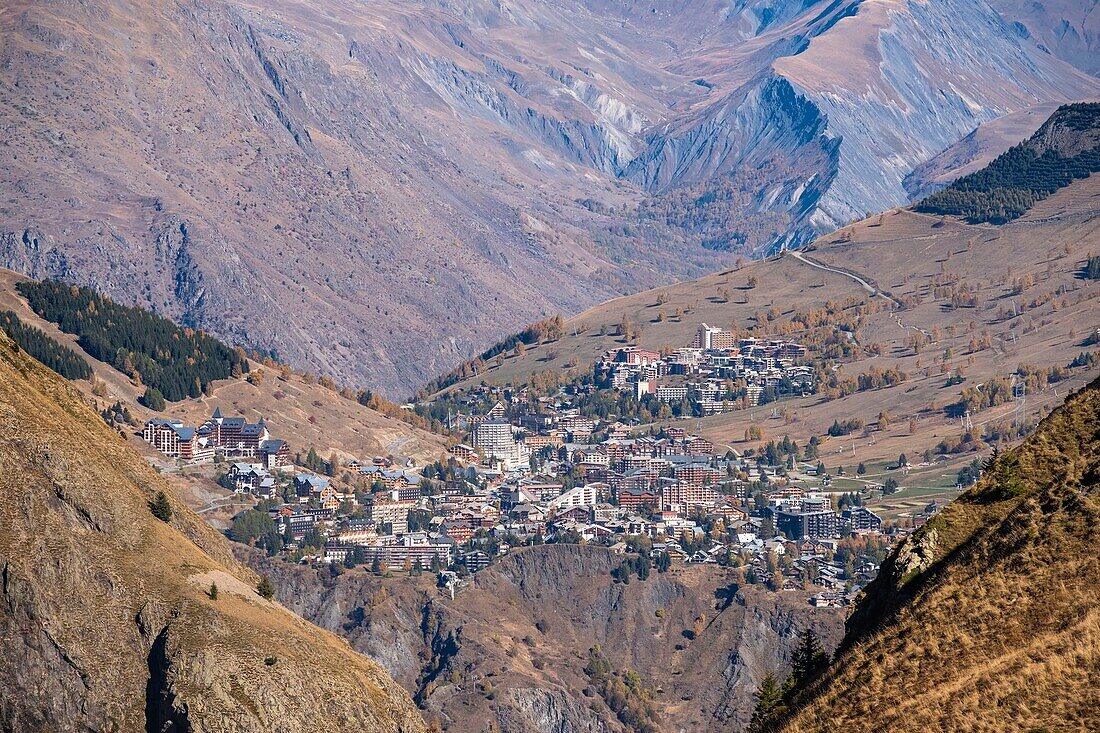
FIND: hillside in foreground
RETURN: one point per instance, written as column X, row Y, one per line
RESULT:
column 986, row 619
column 107, row 618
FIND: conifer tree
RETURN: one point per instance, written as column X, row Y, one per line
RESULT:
column 769, row 705
column 809, row 659
column 160, row 507
column 265, row 588
column 153, row 399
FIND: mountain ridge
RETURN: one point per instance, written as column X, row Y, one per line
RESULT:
column 998, row 592
column 298, row 179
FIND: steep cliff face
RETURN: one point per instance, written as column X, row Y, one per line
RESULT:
column 512, row 646
column 986, row 619
column 106, row 620
column 1067, row 29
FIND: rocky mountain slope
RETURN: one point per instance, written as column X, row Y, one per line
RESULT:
column 986, row 619
column 511, row 649
column 303, row 178
column 1067, row 29
column 976, row 150
column 106, row 616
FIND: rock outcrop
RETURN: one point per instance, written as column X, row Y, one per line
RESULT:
column 106, row 617
column 512, row 646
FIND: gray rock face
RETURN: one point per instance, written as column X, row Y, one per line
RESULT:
column 532, row 709
column 354, row 188
column 37, row 666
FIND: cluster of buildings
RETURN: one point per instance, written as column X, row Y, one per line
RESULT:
column 535, row 470
column 589, row 481
column 225, row 437
column 715, row 373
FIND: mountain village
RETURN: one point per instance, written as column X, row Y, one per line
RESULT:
column 533, row 472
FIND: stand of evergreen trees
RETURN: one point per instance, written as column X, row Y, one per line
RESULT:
column 174, row 361
column 35, row 342
column 1006, row 188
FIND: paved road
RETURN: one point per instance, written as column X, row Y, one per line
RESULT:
column 221, row 503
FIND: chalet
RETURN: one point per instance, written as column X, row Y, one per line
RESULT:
column 457, row 531
column 698, row 446
column 391, row 479
column 464, row 453
column 234, row 436
column 307, row 485
column 730, row 511
column 635, row 525
column 246, row 477
column 576, row 514
column 528, row 514
column 604, row 513
column 633, row 499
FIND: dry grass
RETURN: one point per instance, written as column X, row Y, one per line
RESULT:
column 82, row 550
column 900, row 252
column 1002, row 632
column 304, row 413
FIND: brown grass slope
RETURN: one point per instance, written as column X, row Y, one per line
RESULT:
column 987, row 617
column 903, row 253
column 302, row 412
column 105, row 621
